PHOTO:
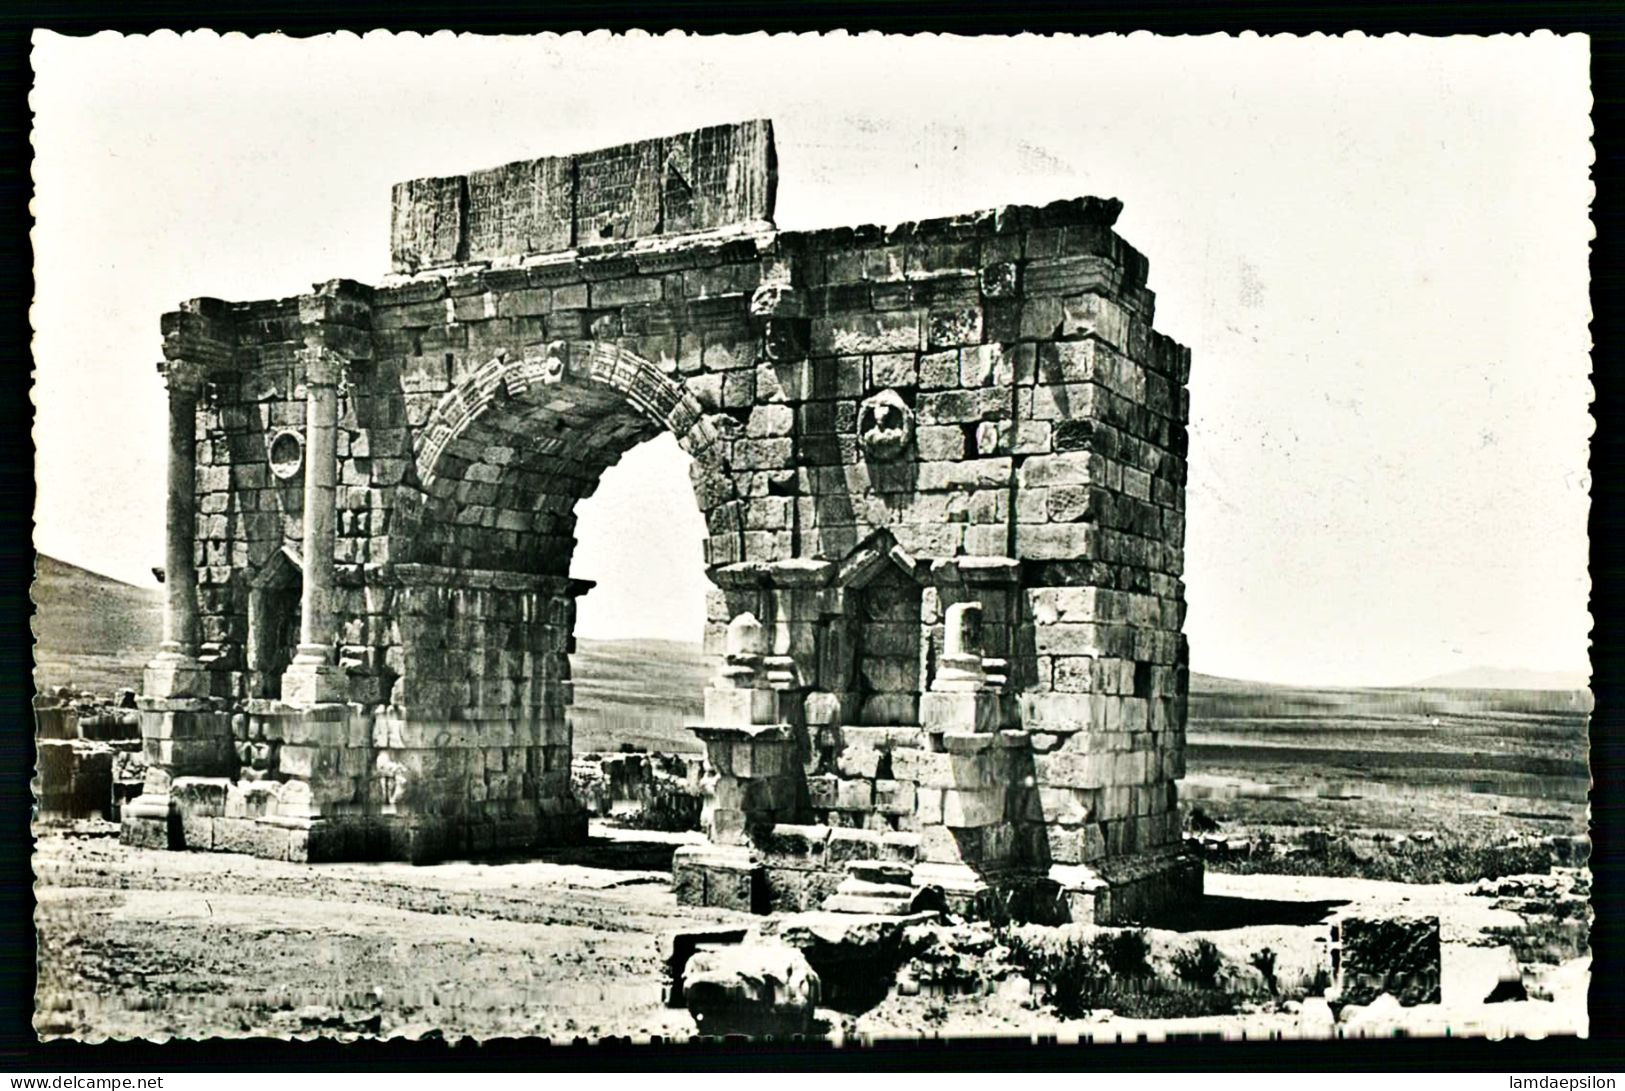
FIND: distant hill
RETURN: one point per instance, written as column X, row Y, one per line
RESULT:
column 1213, row 683
column 639, row 693
column 95, row 632
column 91, row 631
column 1505, row 678
column 665, row 674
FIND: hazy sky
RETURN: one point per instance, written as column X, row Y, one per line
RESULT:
column 1376, row 249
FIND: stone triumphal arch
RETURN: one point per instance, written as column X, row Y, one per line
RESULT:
column 942, row 472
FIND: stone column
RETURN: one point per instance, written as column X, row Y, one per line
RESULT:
column 314, row 677
column 179, row 733
column 175, row 671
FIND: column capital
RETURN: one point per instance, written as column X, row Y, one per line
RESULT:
column 337, row 302
column 348, row 346
column 204, row 336
column 323, row 367
column 183, row 377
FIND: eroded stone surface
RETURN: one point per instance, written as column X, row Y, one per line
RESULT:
column 893, row 431
column 1393, row 959
column 752, row 989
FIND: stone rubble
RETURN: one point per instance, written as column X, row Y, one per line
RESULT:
column 1393, row 957
column 755, row 989
column 88, row 759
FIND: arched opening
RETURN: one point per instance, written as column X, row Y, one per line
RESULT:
column 639, row 666
column 488, row 557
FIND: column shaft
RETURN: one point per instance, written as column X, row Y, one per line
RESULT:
column 180, row 512
column 321, row 471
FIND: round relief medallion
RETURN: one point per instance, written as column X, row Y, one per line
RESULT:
column 287, row 453
column 885, row 426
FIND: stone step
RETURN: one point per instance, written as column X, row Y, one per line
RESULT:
column 877, row 905
column 863, row 888
column 876, row 887
column 881, row 871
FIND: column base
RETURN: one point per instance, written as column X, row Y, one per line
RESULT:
column 720, row 876
column 320, row 683
column 145, row 822
column 174, row 674
column 959, row 674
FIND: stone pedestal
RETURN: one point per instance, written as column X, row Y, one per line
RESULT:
column 726, row 706
column 962, row 711
column 180, row 737
column 174, row 676
column 756, row 781
column 1128, row 889
column 722, row 876
column 308, row 683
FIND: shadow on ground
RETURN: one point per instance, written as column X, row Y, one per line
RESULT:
column 1219, row 912
column 611, row 854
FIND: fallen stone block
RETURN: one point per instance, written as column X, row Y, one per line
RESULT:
column 1399, row 956
column 74, row 779
column 855, row 956
column 721, row 876
column 754, row 990
column 1381, row 1018
column 678, row 947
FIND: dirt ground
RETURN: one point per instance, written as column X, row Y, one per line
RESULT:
column 141, row 943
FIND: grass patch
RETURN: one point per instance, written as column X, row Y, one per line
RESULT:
column 1200, row 965
column 1074, row 974
column 1546, row 940
column 1444, row 860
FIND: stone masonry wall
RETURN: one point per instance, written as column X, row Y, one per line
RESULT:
column 978, row 402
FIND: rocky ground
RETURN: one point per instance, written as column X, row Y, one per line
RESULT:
column 138, row 943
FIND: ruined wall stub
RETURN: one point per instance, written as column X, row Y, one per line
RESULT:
column 942, row 470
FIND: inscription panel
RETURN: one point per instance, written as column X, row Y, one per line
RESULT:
column 426, row 222
column 618, row 193
column 521, row 208
column 695, row 181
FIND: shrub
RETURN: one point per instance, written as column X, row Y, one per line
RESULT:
column 1068, row 971
column 1444, row 860
column 1126, row 954
column 1201, row 822
column 1199, row 966
column 1263, row 961
column 1112, row 970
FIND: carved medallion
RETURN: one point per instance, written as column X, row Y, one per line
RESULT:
column 286, row 453
column 885, row 426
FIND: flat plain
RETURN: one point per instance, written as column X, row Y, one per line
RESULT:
column 1470, row 804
